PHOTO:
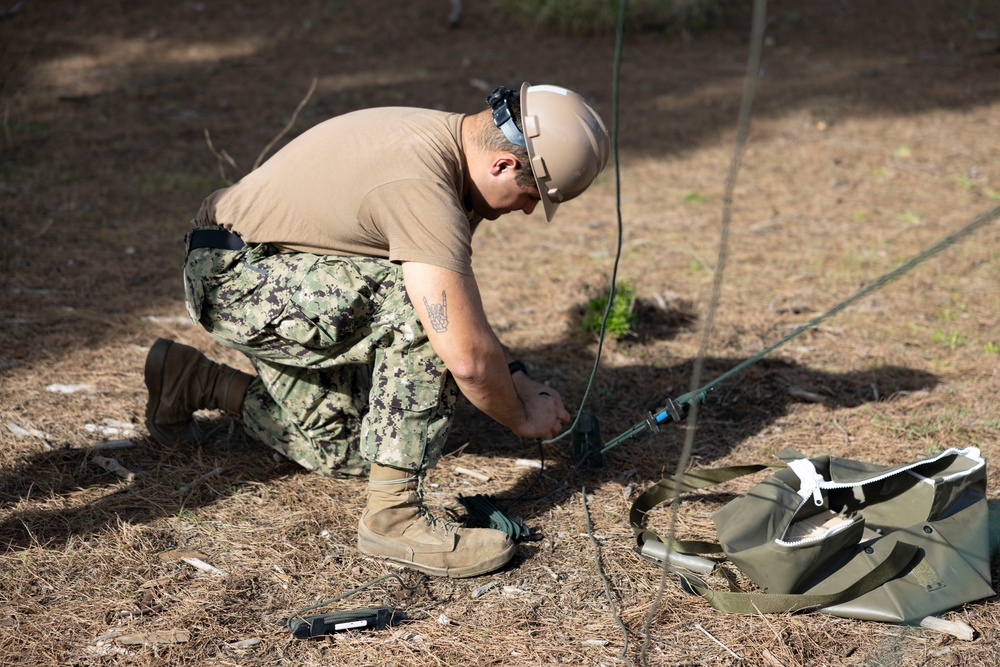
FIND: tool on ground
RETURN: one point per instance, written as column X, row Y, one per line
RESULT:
column 373, row 618
column 377, row 617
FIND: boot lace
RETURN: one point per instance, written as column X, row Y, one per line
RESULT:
column 434, row 522
column 447, row 526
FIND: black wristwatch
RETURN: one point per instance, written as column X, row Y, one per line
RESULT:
column 516, row 366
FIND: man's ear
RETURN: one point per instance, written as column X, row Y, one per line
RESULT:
column 503, row 162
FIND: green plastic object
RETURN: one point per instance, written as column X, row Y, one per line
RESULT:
column 483, row 513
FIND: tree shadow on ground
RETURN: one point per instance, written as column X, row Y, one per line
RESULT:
column 746, row 406
column 735, row 411
column 84, row 500
column 621, row 397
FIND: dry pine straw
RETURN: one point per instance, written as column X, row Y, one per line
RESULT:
column 861, row 153
column 285, row 539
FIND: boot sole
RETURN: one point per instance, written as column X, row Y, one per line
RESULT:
column 474, row 570
column 153, row 375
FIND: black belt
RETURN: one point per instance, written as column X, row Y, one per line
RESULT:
column 219, row 239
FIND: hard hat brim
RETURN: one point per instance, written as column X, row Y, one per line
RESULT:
column 548, row 205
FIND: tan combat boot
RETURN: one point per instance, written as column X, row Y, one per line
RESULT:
column 396, row 526
column 181, row 380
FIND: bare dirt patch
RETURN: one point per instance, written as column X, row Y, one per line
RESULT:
column 876, row 132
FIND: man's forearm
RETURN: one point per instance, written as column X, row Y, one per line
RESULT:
column 485, row 379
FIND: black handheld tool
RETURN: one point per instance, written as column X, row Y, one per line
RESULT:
column 374, row 618
column 587, row 440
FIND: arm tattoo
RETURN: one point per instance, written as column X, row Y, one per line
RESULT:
column 438, row 313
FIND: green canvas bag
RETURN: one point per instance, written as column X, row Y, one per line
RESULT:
column 848, row 538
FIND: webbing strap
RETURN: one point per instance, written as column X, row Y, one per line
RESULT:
column 737, row 601
column 741, row 602
column 666, row 490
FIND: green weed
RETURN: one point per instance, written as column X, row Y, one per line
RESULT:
column 903, row 151
column 991, row 347
column 26, row 126
column 694, row 198
column 965, row 183
column 949, row 339
column 911, row 427
column 621, row 316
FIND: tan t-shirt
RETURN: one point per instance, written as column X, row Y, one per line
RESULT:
column 385, row 182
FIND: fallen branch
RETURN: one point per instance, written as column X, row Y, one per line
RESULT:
column 191, row 486
column 774, row 662
column 103, row 651
column 709, row 635
column 112, row 466
column 472, row 473
column 203, row 566
column 104, row 445
column 957, row 629
column 71, row 388
column 157, row 637
column 177, row 554
column 21, row 432
column 10, row 11
column 111, row 431
column 805, row 395
column 168, row 319
column 108, row 636
column 220, row 157
column 484, row 589
column 847, row 436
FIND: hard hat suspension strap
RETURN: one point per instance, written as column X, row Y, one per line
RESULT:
column 499, row 101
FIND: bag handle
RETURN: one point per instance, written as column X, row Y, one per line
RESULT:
column 693, row 480
column 736, row 601
column 741, row 602
column 664, row 490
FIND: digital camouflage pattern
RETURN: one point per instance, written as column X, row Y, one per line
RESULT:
column 345, row 372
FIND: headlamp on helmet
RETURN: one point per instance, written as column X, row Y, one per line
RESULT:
column 499, row 102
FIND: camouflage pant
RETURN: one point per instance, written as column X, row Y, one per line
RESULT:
column 345, row 373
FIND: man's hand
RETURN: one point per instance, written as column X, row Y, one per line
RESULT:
column 543, row 405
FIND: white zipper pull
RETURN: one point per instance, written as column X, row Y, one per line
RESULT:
column 809, row 480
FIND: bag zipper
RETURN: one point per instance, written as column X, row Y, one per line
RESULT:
column 812, row 488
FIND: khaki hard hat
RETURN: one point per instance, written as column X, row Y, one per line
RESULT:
column 567, row 143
